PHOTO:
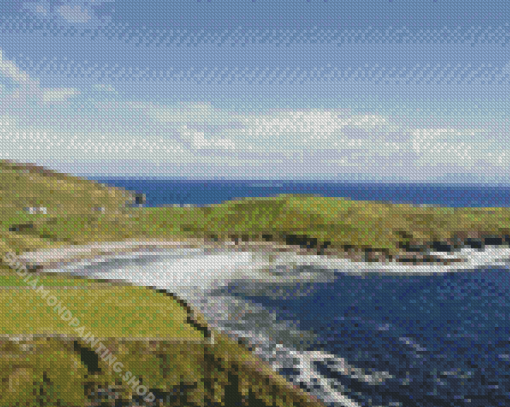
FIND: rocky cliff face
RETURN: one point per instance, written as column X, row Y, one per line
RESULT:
column 65, row 369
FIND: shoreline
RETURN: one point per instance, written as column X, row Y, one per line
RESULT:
column 251, row 365
column 52, row 258
column 279, row 254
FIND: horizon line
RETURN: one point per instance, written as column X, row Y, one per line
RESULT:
column 344, row 181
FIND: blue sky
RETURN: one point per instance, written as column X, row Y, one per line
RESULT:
column 391, row 90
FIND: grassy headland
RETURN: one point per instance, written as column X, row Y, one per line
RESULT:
column 367, row 229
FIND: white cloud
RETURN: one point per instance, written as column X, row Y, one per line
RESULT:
column 312, row 130
column 30, row 86
column 194, row 138
column 186, row 113
column 279, row 131
column 74, row 14
column 9, row 69
column 349, row 140
column 199, row 141
column 450, row 146
column 59, row 94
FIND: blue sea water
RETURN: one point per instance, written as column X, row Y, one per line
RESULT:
column 161, row 192
column 444, row 338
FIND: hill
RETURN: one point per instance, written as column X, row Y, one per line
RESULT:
column 25, row 186
column 28, row 185
column 361, row 230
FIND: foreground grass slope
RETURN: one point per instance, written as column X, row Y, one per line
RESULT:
column 156, row 337
column 107, row 311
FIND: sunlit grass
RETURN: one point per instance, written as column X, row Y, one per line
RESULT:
column 106, row 311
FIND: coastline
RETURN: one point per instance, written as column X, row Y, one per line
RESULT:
column 49, row 259
column 220, row 349
column 53, row 258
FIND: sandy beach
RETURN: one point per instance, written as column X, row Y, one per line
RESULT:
column 265, row 254
column 57, row 257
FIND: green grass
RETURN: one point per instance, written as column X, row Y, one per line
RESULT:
column 48, row 370
column 341, row 222
column 22, row 186
column 105, row 311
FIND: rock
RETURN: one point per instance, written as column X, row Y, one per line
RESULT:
column 413, row 247
column 21, row 227
column 475, row 243
column 444, row 247
column 301, row 240
column 375, row 256
column 494, row 240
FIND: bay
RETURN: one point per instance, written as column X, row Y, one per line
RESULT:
column 377, row 337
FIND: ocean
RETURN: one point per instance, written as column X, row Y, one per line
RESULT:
column 379, row 338
column 164, row 192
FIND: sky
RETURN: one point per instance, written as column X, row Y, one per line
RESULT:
column 343, row 90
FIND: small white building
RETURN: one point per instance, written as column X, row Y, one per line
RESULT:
column 36, row 210
column 100, row 209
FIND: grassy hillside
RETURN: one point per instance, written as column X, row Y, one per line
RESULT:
column 341, row 225
column 327, row 225
column 43, row 362
column 365, row 229
column 157, row 337
column 64, row 196
column 23, row 185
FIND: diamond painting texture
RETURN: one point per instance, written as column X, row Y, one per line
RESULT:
column 254, row 203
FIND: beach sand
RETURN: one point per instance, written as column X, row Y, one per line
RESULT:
column 266, row 255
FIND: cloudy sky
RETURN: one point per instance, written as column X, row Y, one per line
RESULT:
column 391, row 90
